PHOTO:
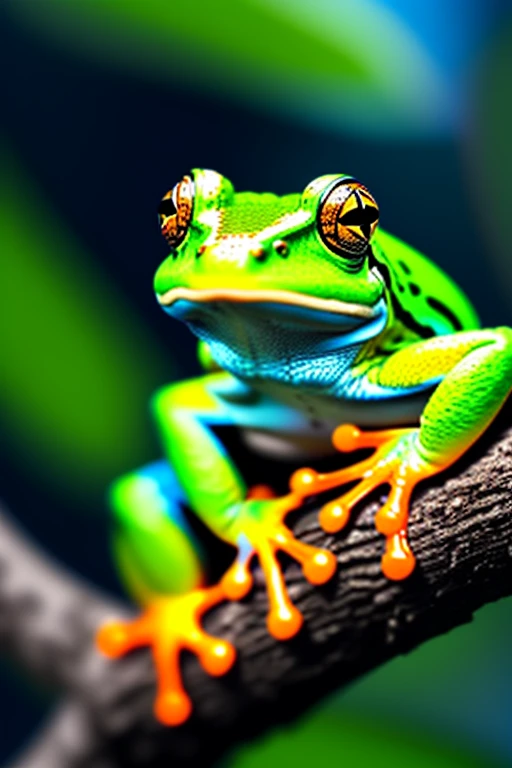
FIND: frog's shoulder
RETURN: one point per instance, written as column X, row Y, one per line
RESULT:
column 419, row 289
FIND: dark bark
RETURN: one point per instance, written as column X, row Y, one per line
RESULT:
column 460, row 531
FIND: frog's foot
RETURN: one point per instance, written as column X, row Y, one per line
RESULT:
column 396, row 463
column 260, row 531
column 170, row 625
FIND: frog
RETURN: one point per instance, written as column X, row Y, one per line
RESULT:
column 319, row 333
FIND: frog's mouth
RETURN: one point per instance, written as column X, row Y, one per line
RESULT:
column 245, row 322
column 276, row 298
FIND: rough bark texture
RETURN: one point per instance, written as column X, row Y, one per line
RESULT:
column 460, row 531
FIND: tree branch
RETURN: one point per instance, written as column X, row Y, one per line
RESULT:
column 460, row 532
column 69, row 739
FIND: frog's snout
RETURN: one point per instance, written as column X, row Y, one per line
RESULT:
column 242, row 251
column 261, row 251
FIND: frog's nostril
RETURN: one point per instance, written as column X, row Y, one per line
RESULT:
column 280, row 247
column 258, row 252
column 200, row 250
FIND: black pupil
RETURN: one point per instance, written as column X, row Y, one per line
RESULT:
column 360, row 216
column 167, row 207
column 363, row 217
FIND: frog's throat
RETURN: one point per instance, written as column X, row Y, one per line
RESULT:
column 277, row 296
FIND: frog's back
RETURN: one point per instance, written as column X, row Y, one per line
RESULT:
column 423, row 296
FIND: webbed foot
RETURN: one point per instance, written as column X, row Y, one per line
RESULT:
column 397, row 463
column 170, row 625
column 260, row 531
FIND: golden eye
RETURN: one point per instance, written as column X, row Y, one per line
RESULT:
column 347, row 217
column 175, row 211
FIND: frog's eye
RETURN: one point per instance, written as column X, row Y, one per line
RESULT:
column 347, row 217
column 175, row 211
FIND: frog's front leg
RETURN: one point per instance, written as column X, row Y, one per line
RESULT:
column 158, row 554
column 472, row 375
column 216, row 491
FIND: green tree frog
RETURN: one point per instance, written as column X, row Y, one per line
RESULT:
column 318, row 331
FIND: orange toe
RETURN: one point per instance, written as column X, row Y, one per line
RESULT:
column 170, row 625
column 392, row 464
column 172, row 708
column 398, row 561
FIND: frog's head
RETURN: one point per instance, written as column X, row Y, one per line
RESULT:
column 306, row 256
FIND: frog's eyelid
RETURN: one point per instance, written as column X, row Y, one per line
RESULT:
column 212, row 188
column 320, row 186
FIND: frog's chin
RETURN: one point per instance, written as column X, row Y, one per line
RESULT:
column 179, row 302
column 243, row 335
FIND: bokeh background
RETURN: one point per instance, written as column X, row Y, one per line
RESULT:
column 105, row 104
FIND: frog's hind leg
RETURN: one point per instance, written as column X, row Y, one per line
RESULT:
column 473, row 374
column 161, row 563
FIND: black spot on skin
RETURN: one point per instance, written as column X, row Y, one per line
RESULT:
column 438, row 306
column 424, row 331
column 404, row 267
column 414, row 289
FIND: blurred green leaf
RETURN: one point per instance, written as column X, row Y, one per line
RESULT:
column 455, row 682
column 326, row 740
column 76, row 368
column 490, row 153
column 441, row 662
column 351, row 63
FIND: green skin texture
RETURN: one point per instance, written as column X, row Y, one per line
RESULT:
column 426, row 360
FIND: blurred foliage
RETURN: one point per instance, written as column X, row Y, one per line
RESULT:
column 346, row 64
column 456, row 684
column 490, row 153
column 329, row 740
column 74, row 360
